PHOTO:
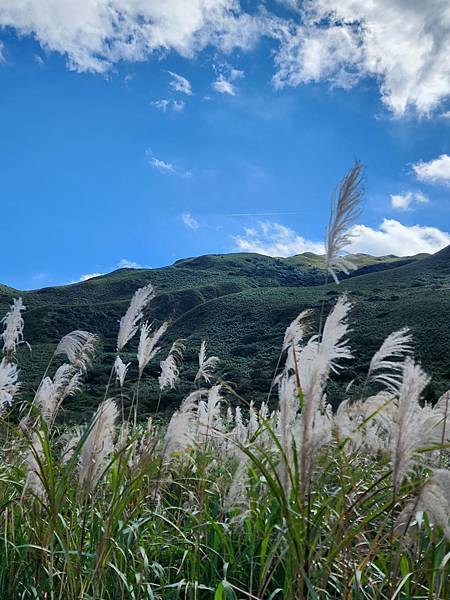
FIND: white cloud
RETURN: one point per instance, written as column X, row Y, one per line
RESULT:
column 274, row 239
column 401, row 43
column 190, row 221
column 434, row 171
column 392, row 237
column 2, row 55
column 94, row 34
column 445, row 115
column 124, row 263
column 87, row 277
column 165, row 105
column 223, row 86
column 180, row 84
column 407, row 200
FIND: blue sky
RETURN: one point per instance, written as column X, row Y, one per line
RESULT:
column 189, row 144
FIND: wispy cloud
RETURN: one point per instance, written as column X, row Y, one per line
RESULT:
column 434, row 171
column 124, row 263
column 225, row 78
column 2, row 54
column 408, row 200
column 223, row 86
column 165, row 105
column 166, row 167
column 190, row 221
column 180, row 83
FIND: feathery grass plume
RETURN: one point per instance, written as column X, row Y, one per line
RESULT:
column 9, row 385
column 183, row 425
column 209, row 413
column 296, row 330
column 51, row 393
column 206, row 365
column 147, row 344
column 34, row 460
column 98, row 445
column 79, row 347
column 314, row 364
column 13, row 326
column 128, row 324
column 288, row 409
column 344, row 212
column 333, row 346
column 120, row 369
column 407, row 433
column 382, row 368
column 70, row 440
column 170, row 367
column 433, row 499
column 239, row 433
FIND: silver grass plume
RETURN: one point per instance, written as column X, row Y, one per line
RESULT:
column 98, row 445
column 288, row 408
column 407, row 433
column 170, row 367
column 181, row 431
column 70, row 440
column 129, row 322
column 34, row 458
column 239, row 432
column 120, row 369
column 382, row 368
column 79, row 347
column 13, row 326
column 51, row 392
column 209, row 413
column 433, row 499
column 296, row 330
column 148, row 344
column 9, row 385
column 206, row 366
column 345, row 210
column 314, row 364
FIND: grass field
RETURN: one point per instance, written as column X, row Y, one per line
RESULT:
column 226, row 499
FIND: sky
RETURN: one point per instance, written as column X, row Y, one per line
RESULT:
column 136, row 133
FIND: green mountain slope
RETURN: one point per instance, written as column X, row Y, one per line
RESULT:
column 242, row 304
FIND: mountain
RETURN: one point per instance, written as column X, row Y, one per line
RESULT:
column 242, row 303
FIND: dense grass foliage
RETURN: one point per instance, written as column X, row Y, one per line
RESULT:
column 242, row 303
column 226, row 500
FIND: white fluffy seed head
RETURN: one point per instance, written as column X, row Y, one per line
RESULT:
column 297, row 329
column 206, row 366
column 13, row 326
column 345, row 211
column 79, row 347
column 98, row 445
column 120, row 369
column 129, row 322
column 382, row 368
column 9, row 385
column 170, row 367
column 148, row 344
column 51, row 393
column 407, row 430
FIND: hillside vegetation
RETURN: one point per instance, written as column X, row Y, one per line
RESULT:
column 242, row 303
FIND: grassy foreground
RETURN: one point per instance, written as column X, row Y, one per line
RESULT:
column 221, row 502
